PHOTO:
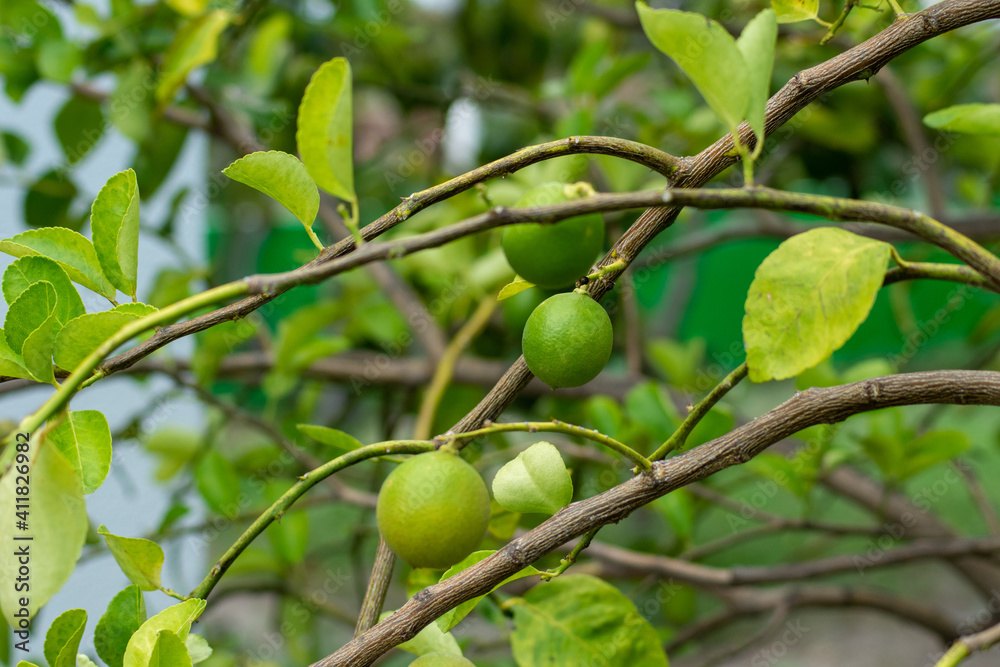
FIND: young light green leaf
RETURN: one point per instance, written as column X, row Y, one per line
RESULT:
column 11, row 363
column 72, row 250
column 84, row 334
column 84, row 661
column 575, row 620
column 325, row 129
column 28, row 312
column 807, row 298
column 25, row 271
column 196, row 44
column 125, row 614
column 188, row 7
column 197, row 648
column 793, row 11
column 136, row 309
column 967, row 119
column 455, row 616
column 176, row 619
column 114, row 224
column 141, row 560
column 168, row 650
column 516, row 286
column 708, row 55
column 282, row 178
column 340, row 441
column 57, row 525
column 756, row 44
column 84, row 438
column 535, row 481
column 63, row 638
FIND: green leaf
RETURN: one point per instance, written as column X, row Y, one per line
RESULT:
column 678, row 509
column 176, row 619
column 967, row 119
column 86, row 333
column 73, row 252
column 47, row 201
column 114, row 223
column 535, row 481
column 63, row 638
column 57, row 59
column 37, row 352
column 582, row 620
column 807, row 298
column 517, row 286
column 13, row 148
column 141, row 560
column 678, row 362
column 218, row 482
column 782, row 471
column 196, row 44
column 931, row 449
column 793, row 11
column 25, row 271
column 84, row 438
column 28, row 312
column 341, row 442
column 429, row 640
column 125, row 614
column 455, row 616
column 84, row 661
column 325, row 129
column 11, row 363
column 197, row 648
column 57, row 525
column 168, row 650
column 158, row 154
column 282, row 178
column 79, row 125
column 756, row 44
column 708, row 55
column 187, row 7
column 131, row 103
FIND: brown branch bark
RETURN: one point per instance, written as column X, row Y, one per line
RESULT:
column 807, row 408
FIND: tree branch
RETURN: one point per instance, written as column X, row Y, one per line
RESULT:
column 806, row 408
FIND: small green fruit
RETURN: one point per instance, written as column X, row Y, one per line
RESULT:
column 553, row 255
column 433, row 510
column 567, row 340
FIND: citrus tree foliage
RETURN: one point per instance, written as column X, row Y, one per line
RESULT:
column 391, row 190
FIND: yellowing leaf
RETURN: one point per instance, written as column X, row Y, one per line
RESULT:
column 792, row 11
column 807, row 298
column 325, row 129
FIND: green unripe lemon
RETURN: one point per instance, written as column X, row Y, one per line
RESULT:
column 553, row 255
column 567, row 340
column 433, row 510
column 441, row 660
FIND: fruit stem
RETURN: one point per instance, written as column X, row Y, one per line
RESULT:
column 618, row 265
column 677, row 440
column 566, row 562
column 553, row 426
